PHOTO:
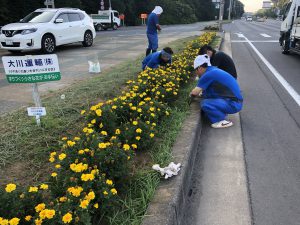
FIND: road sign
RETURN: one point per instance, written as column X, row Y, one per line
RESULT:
column 36, row 111
column 122, row 16
column 144, row 16
column 31, row 69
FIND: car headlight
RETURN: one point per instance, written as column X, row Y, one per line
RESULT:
column 29, row 31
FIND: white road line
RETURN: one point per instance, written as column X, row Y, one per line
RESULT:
column 243, row 41
column 293, row 93
column 265, row 35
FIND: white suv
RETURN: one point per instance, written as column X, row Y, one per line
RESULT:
column 47, row 28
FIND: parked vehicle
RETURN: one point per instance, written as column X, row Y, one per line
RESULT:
column 249, row 18
column 290, row 28
column 46, row 29
column 106, row 19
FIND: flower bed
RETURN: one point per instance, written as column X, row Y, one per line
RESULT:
column 88, row 169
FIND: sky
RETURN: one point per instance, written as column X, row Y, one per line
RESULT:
column 252, row 5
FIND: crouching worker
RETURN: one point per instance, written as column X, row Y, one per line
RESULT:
column 220, row 91
column 161, row 58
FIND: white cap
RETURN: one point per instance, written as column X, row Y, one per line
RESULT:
column 200, row 60
column 158, row 10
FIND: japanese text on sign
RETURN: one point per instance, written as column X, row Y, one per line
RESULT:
column 31, row 69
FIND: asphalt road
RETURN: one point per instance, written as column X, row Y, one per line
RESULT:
column 270, row 123
column 110, row 48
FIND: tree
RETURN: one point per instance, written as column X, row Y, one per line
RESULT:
column 3, row 12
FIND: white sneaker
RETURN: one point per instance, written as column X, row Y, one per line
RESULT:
column 222, row 124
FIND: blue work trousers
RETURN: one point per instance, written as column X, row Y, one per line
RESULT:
column 217, row 109
column 153, row 41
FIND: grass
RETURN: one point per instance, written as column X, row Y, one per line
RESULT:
column 24, row 147
column 143, row 185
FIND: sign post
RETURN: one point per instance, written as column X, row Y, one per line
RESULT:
column 144, row 16
column 32, row 69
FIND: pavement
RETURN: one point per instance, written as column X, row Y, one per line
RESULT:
column 110, row 49
column 250, row 173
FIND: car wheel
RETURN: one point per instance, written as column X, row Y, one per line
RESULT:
column 285, row 46
column 98, row 27
column 115, row 26
column 88, row 39
column 48, row 44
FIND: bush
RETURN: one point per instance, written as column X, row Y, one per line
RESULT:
column 89, row 169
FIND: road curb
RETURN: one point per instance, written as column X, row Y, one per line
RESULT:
column 171, row 196
column 168, row 203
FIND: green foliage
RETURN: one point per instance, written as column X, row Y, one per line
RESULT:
column 175, row 11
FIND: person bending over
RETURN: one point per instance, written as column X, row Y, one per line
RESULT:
column 161, row 58
column 220, row 91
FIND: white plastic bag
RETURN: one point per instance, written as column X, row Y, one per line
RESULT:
column 94, row 67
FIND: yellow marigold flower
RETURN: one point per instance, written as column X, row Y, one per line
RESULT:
column 167, row 113
column 75, row 191
column 114, row 191
column 14, row 221
column 109, row 182
column 67, row 218
column 128, row 158
column 22, row 195
column 148, row 122
column 139, row 130
column 138, row 138
column 50, row 213
column 52, row 154
column 105, row 192
column 101, row 125
column 57, row 166
column 154, row 124
column 40, row 207
column 84, row 204
column 82, row 112
column 87, row 177
column 33, row 189
column 71, row 143
column 126, row 147
column 51, row 159
column 64, row 138
column 135, row 123
column 133, row 108
column 78, row 168
column 93, row 121
column 96, row 206
column 93, row 108
column 81, row 152
column 54, row 174
column 28, row 218
column 152, row 114
column 91, row 196
column 118, row 131
column 139, row 110
column 44, row 186
column 63, row 199
column 104, row 133
column 152, row 135
column 99, row 112
column 152, row 109
column 76, row 138
column 134, row 146
column 102, row 145
column 38, row 222
column 10, row 188
column 62, row 156
column 114, row 107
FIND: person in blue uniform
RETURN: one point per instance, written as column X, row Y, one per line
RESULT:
column 220, row 91
column 156, row 59
column 152, row 27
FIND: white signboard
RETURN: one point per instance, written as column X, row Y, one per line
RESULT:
column 36, row 111
column 31, row 68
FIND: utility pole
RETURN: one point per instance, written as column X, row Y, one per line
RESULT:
column 222, row 3
column 230, row 10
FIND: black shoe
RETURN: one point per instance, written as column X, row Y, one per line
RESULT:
column 148, row 51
